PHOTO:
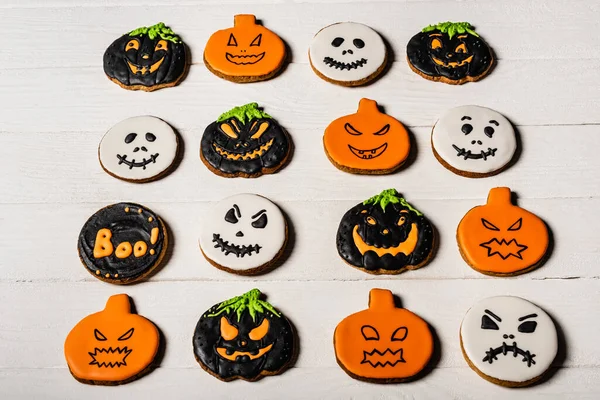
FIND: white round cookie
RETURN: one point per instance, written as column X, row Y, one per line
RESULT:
column 138, row 149
column 474, row 139
column 509, row 339
column 347, row 52
column 243, row 233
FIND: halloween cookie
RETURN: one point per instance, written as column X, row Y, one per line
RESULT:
column 502, row 239
column 122, row 243
column 383, row 344
column 473, row 141
column 348, row 54
column 147, row 58
column 508, row 340
column 367, row 142
column 248, row 52
column 244, row 338
column 385, row 235
column 245, row 141
column 244, row 234
column 449, row 52
column 113, row 346
column 138, row 149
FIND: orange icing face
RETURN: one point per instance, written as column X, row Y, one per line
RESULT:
column 500, row 238
column 246, row 50
column 112, row 345
column 383, row 342
column 368, row 140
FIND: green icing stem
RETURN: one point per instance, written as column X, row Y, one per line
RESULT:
column 153, row 31
column 247, row 111
column 452, row 28
column 249, row 302
column 390, row 196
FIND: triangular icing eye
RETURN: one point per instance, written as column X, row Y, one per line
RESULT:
column 488, row 323
column 231, row 217
column 489, row 225
column 99, row 336
column 517, row 225
column 351, row 130
column 126, row 335
column 261, row 222
column 383, row 130
column 369, row 333
column 400, row 334
column 228, row 331
column 260, row 331
column 257, row 40
column 527, row 327
column 231, row 41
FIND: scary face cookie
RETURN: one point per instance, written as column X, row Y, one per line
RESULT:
column 138, row 149
column 385, row 235
column 246, row 142
column 449, row 52
column 508, row 340
column 502, row 239
column 244, row 234
column 147, row 58
column 383, row 344
column 347, row 54
column 122, row 243
column 367, row 142
column 113, row 346
column 473, row 141
column 244, row 338
column 245, row 53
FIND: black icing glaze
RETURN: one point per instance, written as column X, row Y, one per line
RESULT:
column 117, row 59
column 130, row 227
column 373, row 235
column 273, row 144
column 421, row 55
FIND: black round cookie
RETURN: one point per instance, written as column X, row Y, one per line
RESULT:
column 244, row 338
column 122, row 243
column 385, row 235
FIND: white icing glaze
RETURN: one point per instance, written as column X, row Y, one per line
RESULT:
column 373, row 51
column 269, row 238
column 159, row 153
column 476, row 341
column 448, row 133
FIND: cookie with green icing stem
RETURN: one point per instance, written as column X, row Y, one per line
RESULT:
column 385, row 235
column 244, row 338
column 146, row 58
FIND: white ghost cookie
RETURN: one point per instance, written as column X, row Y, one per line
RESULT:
column 348, row 54
column 243, row 234
column 138, row 149
column 473, row 141
column 508, row 340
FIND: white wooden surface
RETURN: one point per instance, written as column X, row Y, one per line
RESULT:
column 55, row 105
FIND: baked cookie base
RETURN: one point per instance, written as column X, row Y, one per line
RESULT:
column 361, row 82
column 443, row 79
column 250, row 78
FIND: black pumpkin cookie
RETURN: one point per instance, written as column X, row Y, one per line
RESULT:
column 246, row 142
column 122, row 243
column 147, row 58
column 449, row 52
column 385, row 235
column 244, row 337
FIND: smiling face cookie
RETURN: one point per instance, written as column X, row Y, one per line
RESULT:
column 348, row 54
column 243, row 234
column 473, row 141
column 508, row 340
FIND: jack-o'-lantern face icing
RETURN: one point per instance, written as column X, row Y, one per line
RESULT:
column 385, row 235
column 450, row 52
column 499, row 238
column 368, row 141
column 244, row 141
column 147, row 58
column 122, row 243
column 347, row 53
column 244, row 337
column 112, row 346
column 245, row 53
column 383, row 343
column 508, row 339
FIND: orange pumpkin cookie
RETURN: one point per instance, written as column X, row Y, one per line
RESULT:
column 502, row 239
column 383, row 344
column 113, row 346
column 245, row 53
column 367, row 142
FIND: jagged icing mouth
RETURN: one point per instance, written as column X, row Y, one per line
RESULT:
column 368, row 154
column 109, row 358
column 492, row 354
column 467, row 154
column 250, row 155
column 132, row 163
column 137, row 69
column 503, row 248
column 451, row 64
column 406, row 247
column 241, row 356
column 239, row 251
column 245, row 59
column 342, row 65
column 377, row 358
